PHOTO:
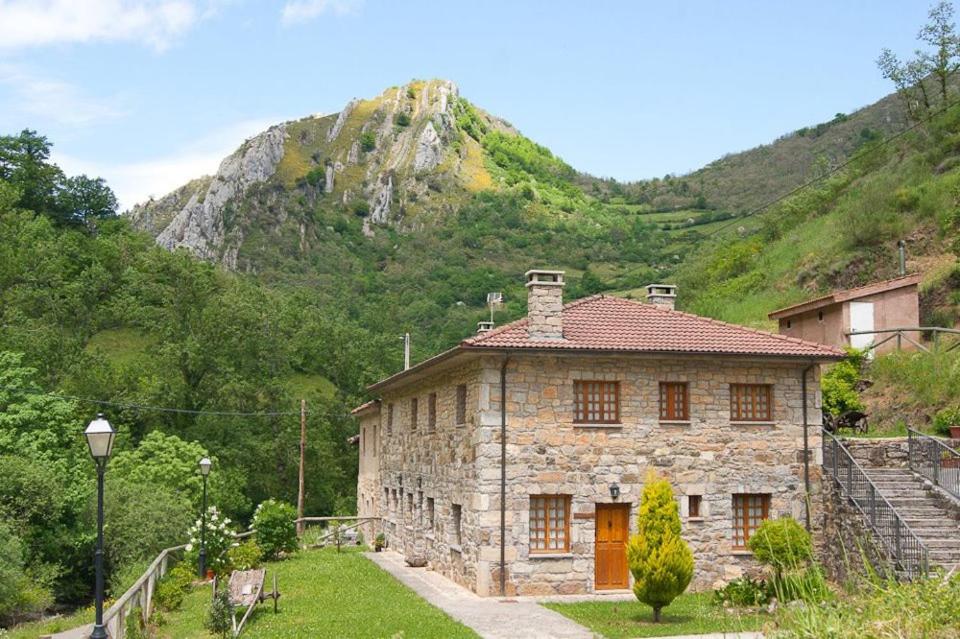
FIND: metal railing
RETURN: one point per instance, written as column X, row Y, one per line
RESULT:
column 935, row 460
column 908, row 334
column 908, row 555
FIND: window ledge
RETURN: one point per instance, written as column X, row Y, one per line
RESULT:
column 748, row 423
column 600, row 425
column 551, row 555
column 695, row 520
column 461, row 425
column 456, row 548
column 741, row 552
column 675, row 422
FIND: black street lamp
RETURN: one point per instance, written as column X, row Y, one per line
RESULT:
column 100, row 435
column 205, row 464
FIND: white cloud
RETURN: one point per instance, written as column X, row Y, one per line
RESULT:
column 138, row 181
column 55, row 100
column 295, row 11
column 27, row 23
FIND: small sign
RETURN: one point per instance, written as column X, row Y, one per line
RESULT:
column 247, row 589
column 584, row 515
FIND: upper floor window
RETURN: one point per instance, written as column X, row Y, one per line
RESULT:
column 432, row 412
column 596, row 402
column 413, row 413
column 749, row 510
column 694, row 503
column 549, row 523
column 751, row 402
column 674, row 401
column 462, row 404
column 389, row 418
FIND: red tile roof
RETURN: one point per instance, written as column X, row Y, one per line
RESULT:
column 844, row 295
column 602, row 323
column 373, row 404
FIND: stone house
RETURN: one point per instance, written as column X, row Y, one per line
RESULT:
column 832, row 318
column 513, row 463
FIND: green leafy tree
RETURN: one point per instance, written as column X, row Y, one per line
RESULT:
column 839, row 385
column 659, row 559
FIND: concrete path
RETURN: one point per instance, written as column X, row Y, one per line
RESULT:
column 489, row 617
column 511, row 618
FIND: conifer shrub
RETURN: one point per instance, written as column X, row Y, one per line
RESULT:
column 220, row 614
column 275, row 523
column 659, row 559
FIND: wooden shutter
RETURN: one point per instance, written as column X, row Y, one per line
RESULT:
column 751, row 402
column 674, row 401
column 596, row 402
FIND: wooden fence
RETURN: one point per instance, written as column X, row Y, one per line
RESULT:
column 903, row 334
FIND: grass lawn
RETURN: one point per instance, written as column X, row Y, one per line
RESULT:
column 325, row 594
column 37, row 629
column 688, row 614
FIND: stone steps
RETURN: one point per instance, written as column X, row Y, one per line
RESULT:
column 936, row 526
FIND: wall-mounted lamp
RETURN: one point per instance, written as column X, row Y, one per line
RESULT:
column 614, row 491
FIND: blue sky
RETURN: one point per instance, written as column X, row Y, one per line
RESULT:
column 150, row 93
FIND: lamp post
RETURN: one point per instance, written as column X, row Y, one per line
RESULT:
column 99, row 435
column 205, row 464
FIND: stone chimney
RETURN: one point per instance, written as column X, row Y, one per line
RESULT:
column 662, row 295
column 484, row 326
column 545, row 304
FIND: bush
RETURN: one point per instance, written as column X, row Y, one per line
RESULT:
column 275, row 523
column 743, row 592
column 781, row 543
column 21, row 591
column 944, row 419
column 659, row 559
column 401, row 119
column 246, row 556
column 220, row 615
column 838, row 385
column 174, row 586
column 219, row 539
column 368, row 141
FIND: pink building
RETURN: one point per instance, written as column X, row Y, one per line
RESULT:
column 830, row 319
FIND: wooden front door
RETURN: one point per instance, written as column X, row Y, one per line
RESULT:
column 610, row 549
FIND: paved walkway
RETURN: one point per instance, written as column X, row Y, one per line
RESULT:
column 512, row 618
column 489, row 617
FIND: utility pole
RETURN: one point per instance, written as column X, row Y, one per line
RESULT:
column 303, row 452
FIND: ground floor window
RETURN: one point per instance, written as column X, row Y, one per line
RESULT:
column 549, row 523
column 749, row 510
column 457, row 512
column 430, row 513
column 693, row 505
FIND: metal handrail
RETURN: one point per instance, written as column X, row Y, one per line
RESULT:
column 927, row 456
column 904, row 547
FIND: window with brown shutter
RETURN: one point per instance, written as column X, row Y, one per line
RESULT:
column 456, row 511
column 389, row 418
column 749, row 510
column 462, row 404
column 549, row 523
column 596, row 402
column 751, row 402
column 693, row 505
column 413, row 413
column 674, row 402
column 432, row 412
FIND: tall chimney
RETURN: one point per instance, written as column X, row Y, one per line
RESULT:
column 662, row 295
column 545, row 304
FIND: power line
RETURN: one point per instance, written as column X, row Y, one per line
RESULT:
column 143, row 407
column 834, row 170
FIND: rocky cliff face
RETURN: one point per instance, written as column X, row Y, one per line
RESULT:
column 394, row 160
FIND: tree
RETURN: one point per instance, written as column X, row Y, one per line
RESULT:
column 659, row 559
column 939, row 62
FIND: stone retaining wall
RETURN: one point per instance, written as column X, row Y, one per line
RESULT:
column 889, row 452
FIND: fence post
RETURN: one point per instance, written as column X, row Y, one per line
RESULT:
column 936, row 464
column 899, row 340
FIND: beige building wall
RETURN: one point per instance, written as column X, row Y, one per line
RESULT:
column 547, row 453
column 830, row 324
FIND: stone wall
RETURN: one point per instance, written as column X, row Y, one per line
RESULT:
column 547, row 453
column 846, row 547
column 889, row 452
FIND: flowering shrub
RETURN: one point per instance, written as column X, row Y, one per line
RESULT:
column 219, row 539
column 275, row 523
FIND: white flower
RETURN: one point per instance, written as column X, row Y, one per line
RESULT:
column 190, row 547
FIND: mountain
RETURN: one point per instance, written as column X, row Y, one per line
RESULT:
column 393, row 160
